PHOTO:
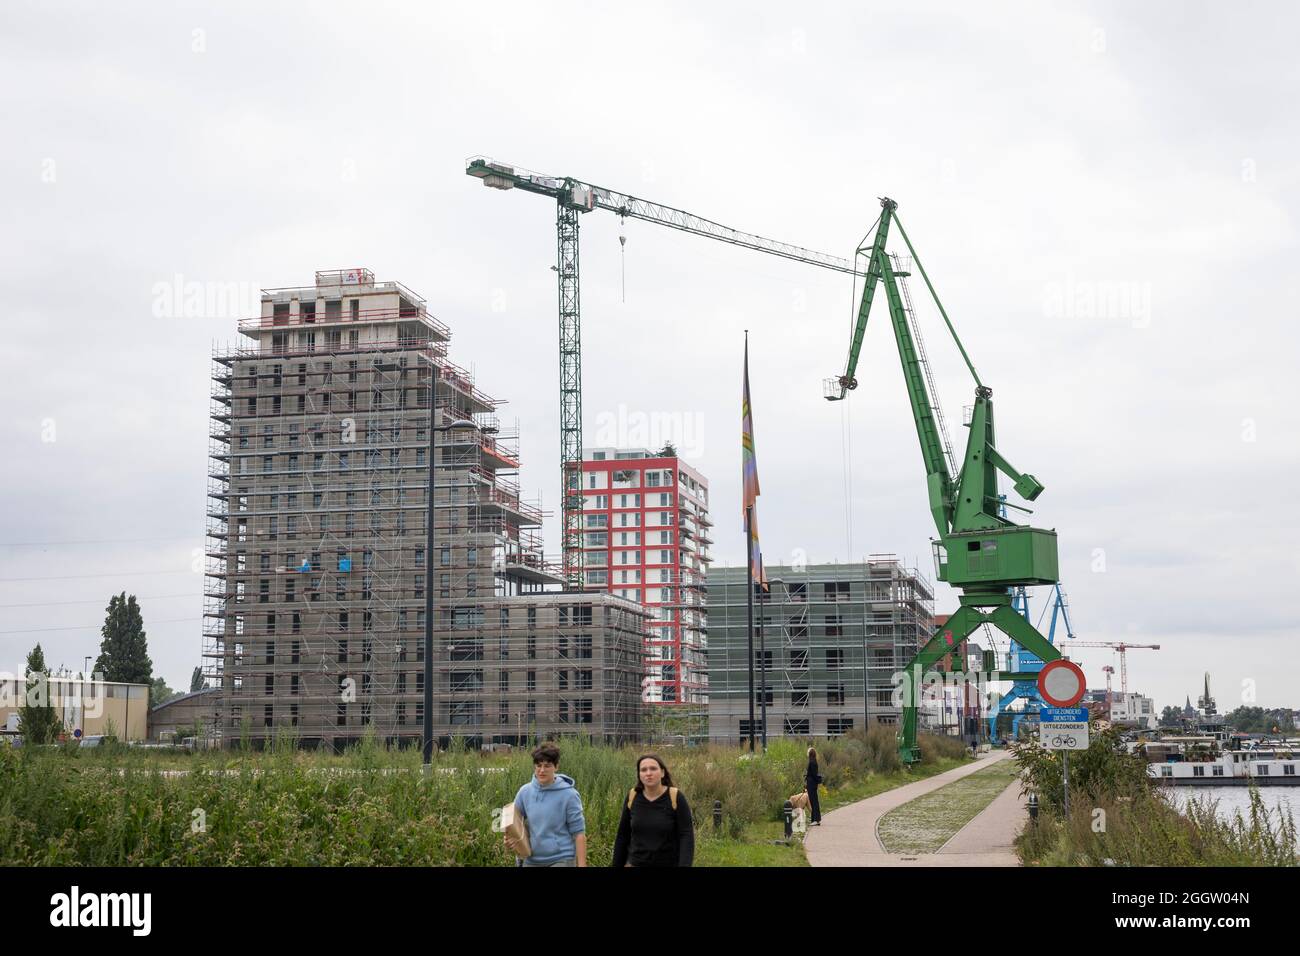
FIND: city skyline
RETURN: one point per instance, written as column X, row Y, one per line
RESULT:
column 1087, row 258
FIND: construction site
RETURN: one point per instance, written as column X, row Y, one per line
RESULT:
column 341, row 410
column 319, row 577
column 816, row 626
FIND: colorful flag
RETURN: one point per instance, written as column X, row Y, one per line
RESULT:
column 749, row 479
column 749, row 464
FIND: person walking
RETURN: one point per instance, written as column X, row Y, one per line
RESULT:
column 656, row 828
column 552, row 808
column 811, row 779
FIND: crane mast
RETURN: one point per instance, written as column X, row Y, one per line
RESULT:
column 980, row 552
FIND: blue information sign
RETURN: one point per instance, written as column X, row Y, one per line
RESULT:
column 1063, row 715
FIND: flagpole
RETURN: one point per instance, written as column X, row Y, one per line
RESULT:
column 749, row 596
column 762, row 669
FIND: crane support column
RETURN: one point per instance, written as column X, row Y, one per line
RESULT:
column 566, row 257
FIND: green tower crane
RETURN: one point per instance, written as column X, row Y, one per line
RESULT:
column 978, row 551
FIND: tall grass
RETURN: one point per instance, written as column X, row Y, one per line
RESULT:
column 1117, row 818
column 287, row 807
column 1148, row 831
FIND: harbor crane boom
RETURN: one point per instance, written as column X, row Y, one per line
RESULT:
column 574, row 197
column 978, row 550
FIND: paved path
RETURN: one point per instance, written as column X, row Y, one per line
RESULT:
column 847, row 836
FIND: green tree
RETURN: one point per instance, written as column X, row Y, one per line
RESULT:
column 37, row 720
column 1171, row 716
column 159, row 692
column 124, row 651
column 1105, row 770
column 196, row 680
column 668, row 451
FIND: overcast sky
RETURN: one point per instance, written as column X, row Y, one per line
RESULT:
column 1104, row 196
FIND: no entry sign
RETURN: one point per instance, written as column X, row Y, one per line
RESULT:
column 1061, row 683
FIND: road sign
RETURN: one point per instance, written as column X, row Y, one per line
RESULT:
column 77, row 733
column 1062, row 734
column 1063, row 715
column 1061, row 683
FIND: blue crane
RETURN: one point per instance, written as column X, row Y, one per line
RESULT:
column 1024, row 662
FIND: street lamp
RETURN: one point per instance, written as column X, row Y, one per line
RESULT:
column 428, row 571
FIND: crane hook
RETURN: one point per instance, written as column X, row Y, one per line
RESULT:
column 622, row 253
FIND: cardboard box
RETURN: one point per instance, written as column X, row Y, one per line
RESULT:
column 514, row 825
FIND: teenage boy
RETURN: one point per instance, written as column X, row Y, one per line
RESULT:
column 553, row 809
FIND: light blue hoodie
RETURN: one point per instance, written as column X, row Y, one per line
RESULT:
column 554, row 817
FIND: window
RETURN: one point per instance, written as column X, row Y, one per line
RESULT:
column 1198, row 770
column 799, row 697
column 834, row 658
column 796, row 727
column 531, row 678
column 799, row 659
column 467, row 681
column 835, row 694
column 1218, row 770
column 834, row 591
column 838, row 726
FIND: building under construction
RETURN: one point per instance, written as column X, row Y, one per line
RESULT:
column 819, row 624
column 317, row 565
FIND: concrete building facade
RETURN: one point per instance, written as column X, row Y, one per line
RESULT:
column 646, row 536
column 317, row 565
column 820, row 624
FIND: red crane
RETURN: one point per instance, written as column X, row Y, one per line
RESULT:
column 1121, row 648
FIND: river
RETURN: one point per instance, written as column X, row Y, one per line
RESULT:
column 1234, row 799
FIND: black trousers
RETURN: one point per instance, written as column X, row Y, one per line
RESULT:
column 814, row 807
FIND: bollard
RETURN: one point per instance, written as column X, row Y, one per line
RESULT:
column 717, row 814
column 788, row 812
column 1033, row 806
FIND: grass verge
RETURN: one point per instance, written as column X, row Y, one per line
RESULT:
column 925, row 824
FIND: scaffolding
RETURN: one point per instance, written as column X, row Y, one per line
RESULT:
column 835, row 636
column 318, row 473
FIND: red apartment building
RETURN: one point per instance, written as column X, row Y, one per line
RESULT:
column 646, row 537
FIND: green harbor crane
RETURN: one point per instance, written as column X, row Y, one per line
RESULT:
column 984, row 555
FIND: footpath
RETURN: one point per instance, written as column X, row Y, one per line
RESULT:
column 847, row 836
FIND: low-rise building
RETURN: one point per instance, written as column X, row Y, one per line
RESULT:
column 92, row 707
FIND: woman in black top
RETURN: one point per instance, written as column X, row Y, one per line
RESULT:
column 810, row 781
column 656, row 828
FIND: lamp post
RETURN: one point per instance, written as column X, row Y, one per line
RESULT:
column 428, row 571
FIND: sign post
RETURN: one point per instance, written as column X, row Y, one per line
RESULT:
column 1063, row 726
